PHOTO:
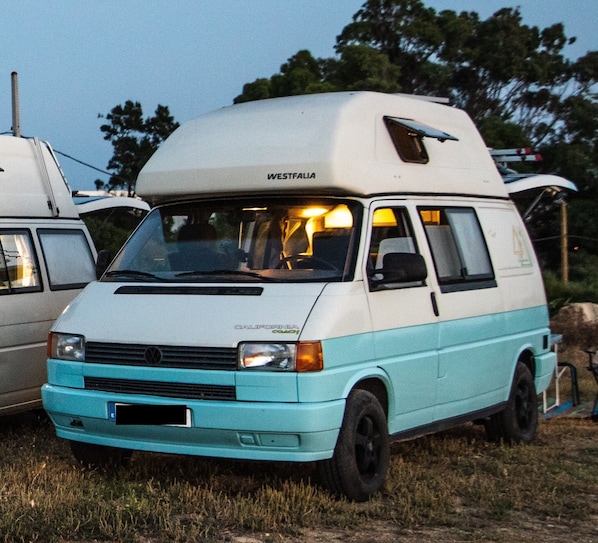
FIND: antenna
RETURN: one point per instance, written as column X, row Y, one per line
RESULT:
column 16, row 120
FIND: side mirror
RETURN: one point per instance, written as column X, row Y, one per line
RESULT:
column 102, row 262
column 400, row 268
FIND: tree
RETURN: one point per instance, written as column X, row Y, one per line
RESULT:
column 134, row 140
column 361, row 67
column 405, row 31
column 513, row 79
column 497, row 67
column 357, row 68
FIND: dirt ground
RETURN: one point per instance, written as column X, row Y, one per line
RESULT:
column 518, row 529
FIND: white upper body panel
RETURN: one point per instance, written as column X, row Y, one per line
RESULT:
column 161, row 317
column 31, row 182
column 323, row 143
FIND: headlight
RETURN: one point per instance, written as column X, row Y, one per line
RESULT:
column 303, row 356
column 66, row 347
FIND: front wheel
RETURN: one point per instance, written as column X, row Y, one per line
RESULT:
column 358, row 466
column 518, row 421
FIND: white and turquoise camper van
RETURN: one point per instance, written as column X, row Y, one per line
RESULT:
column 46, row 258
column 319, row 275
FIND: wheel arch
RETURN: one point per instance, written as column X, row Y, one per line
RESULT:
column 526, row 356
column 378, row 386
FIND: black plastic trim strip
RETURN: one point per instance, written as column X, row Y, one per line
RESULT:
column 445, row 424
column 190, row 291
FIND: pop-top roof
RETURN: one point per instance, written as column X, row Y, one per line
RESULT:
column 346, row 143
column 31, row 182
column 94, row 203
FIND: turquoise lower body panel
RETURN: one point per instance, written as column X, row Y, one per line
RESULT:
column 431, row 372
column 243, row 430
column 545, row 366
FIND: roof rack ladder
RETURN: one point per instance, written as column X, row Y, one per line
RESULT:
column 46, row 178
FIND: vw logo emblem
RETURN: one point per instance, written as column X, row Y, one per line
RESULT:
column 153, row 356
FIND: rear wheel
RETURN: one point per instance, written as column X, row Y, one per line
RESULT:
column 517, row 423
column 99, row 456
column 358, row 466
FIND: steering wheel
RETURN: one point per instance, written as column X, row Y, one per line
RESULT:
column 302, row 262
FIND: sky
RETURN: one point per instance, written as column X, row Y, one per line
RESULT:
column 76, row 60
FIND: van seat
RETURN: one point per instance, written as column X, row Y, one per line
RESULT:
column 196, row 249
column 331, row 246
column 393, row 245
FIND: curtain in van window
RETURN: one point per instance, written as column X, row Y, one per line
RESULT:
column 470, row 243
column 28, row 277
column 18, row 265
column 68, row 258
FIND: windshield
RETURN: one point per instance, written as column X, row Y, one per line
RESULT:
column 285, row 240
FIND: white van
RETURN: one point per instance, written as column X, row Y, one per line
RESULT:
column 321, row 274
column 46, row 258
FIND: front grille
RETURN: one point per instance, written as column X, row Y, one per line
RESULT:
column 203, row 358
column 159, row 388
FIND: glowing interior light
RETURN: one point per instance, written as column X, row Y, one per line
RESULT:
column 339, row 217
column 384, row 217
column 313, row 212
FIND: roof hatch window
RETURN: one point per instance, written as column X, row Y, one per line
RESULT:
column 407, row 136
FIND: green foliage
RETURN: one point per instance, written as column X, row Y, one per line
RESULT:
column 110, row 229
column 581, row 287
column 501, row 134
column 359, row 67
column 297, row 76
column 134, row 140
column 405, row 31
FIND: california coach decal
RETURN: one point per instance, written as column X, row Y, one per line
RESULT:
column 274, row 328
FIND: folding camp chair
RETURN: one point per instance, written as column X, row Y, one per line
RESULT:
column 593, row 367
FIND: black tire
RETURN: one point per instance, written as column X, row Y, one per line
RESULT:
column 99, row 456
column 518, row 422
column 358, row 466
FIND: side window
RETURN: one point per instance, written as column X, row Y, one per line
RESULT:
column 408, row 143
column 19, row 270
column 408, row 138
column 69, row 260
column 391, row 234
column 458, row 247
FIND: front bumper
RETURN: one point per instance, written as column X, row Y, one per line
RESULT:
column 294, row 432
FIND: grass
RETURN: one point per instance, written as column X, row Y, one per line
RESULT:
column 455, row 480
column 450, row 487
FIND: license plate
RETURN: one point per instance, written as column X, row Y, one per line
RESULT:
column 149, row 415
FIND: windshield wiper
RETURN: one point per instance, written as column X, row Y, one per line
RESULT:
column 134, row 273
column 224, row 272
